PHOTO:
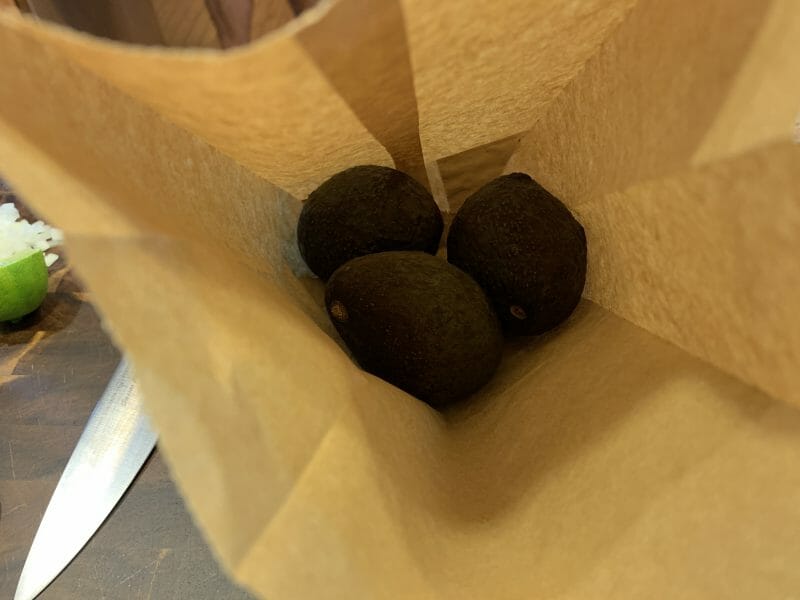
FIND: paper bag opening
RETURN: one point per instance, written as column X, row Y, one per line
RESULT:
column 601, row 460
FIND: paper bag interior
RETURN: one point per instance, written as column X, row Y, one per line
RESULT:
column 647, row 448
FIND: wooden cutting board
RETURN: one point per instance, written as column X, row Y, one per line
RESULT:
column 54, row 365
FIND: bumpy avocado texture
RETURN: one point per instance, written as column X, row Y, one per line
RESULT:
column 364, row 210
column 525, row 249
column 417, row 322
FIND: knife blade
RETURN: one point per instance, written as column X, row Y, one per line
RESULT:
column 110, row 452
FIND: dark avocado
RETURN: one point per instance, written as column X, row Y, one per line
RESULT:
column 525, row 249
column 417, row 322
column 364, row 210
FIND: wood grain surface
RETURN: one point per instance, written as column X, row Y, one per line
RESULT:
column 54, row 365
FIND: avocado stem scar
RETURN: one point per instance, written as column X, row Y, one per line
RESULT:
column 338, row 311
column 518, row 312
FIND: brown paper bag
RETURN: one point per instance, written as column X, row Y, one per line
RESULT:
column 649, row 448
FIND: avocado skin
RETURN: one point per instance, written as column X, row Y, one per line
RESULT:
column 525, row 249
column 364, row 210
column 417, row 322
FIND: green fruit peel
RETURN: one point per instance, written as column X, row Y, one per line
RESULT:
column 23, row 286
column 23, row 262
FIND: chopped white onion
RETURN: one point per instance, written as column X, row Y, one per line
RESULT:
column 18, row 237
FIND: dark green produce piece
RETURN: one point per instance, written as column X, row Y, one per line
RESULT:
column 524, row 247
column 364, row 210
column 417, row 322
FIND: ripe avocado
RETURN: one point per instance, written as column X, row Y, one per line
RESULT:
column 524, row 247
column 364, row 210
column 417, row 322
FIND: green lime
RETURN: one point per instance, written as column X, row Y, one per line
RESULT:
column 23, row 285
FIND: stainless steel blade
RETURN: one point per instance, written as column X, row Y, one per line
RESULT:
column 110, row 452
